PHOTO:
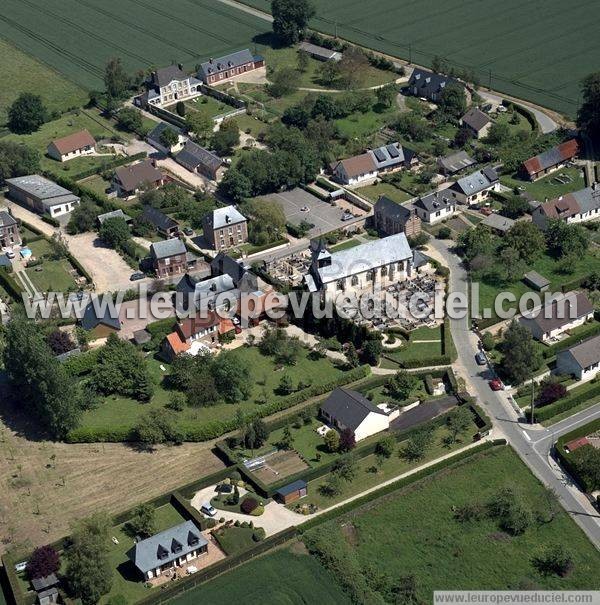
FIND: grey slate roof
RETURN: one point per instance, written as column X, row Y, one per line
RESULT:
column 588, row 198
column 158, row 218
column 223, row 264
column 93, row 318
column 456, row 161
column 498, row 222
column 192, row 156
column 222, row 217
column 477, row 181
column 211, row 67
column 154, row 135
column 384, row 205
column 5, row 261
column 586, row 353
column 536, row 280
column 420, row 259
column 291, row 487
column 320, row 51
column 41, row 584
column 560, row 313
column 145, row 553
column 390, row 155
column 349, row 407
column 432, row 202
column 114, row 214
column 366, row 256
column 167, row 248
column 44, row 189
column 134, row 176
column 165, row 75
column 6, row 220
column 428, row 83
column 476, row 119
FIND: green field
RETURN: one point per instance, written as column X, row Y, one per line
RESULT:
column 537, row 55
column 374, row 192
column 413, row 531
column 77, row 37
column 548, row 187
column 283, row 578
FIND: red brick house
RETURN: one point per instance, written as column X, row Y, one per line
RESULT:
column 224, row 68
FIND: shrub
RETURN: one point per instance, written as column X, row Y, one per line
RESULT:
column 248, row 505
column 43, row 562
column 259, row 534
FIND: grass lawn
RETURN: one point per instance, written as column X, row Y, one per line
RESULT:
column 207, row 106
column 415, row 350
column 374, row 192
column 220, row 502
column 57, row 93
column 288, row 576
column 121, row 411
column 274, row 107
column 234, row 540
column 369, row 474
column 248, row 123
column 584, row 388
column 413, row 531
column 96, row 183
column 359, row 125
column 51, row 275
column 548, row 187
column 89, row 119
column 350, row 243
column 126, row 580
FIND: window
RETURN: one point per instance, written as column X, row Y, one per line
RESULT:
column 340, row 284
column 354, row 280
column 384, row 270
column 400, row 266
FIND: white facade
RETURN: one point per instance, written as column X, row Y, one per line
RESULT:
column 566, row 364
column 56, row 155
column 179, row 562
column 371, row 425
column 342, row 176
column 61, row 209
column 544, row 335
column 435, row 216
column 476, row 198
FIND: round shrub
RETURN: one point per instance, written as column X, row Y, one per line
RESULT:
column 258, row 534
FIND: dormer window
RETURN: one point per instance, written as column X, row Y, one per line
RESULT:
column 162, row 553
column 192, row 539
column 176, row 546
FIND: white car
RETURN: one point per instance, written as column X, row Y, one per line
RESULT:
column 10, row 254
column 208, row 509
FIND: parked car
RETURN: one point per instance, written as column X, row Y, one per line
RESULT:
column 10, row 254
column 188, row 231
column 137, row 276
column 480, row 358
column 208, row 509
column 496, row 384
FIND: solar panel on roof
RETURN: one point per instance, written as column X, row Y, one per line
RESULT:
column 394, row 153
column 380, row 155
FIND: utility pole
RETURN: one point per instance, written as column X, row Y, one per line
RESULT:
column 490, row 80
column 532, row 399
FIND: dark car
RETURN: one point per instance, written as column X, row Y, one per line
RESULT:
column 188, row 231
column 137, row 276
column 480, row 358
column 496, row 384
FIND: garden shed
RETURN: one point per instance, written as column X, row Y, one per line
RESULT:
column 292, row 491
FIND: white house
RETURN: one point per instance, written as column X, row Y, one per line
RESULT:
column 42, row 195
column 355, row 169
column 582, row 360
column 379, row 263
column 72, row 146
column 347, row 409
column 169, row 85
column 435, row 206
column 577, row 207
column 477, row 122
column 564, row 313
column 476, row 187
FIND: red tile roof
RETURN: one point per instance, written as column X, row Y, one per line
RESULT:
column 576, row 444
column 561, row 153
column 357, row 165
column 192, row 325
column 73, row 142
column 176, row 343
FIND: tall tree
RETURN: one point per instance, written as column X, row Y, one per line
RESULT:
column 521, row 356
column 199, row 124
column 27, row 113
column 453, row 101
column 588, row 116
column 290, row 18
column 114, row 232
column 130, row 119
column 17, row 159
column 527, row 240
column 116, row 79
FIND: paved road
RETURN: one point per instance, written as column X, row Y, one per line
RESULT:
column 547, row 124
column 533, row 446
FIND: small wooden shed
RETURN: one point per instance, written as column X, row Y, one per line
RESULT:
column 293, row 491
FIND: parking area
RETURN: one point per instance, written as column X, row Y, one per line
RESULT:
column 299, row 205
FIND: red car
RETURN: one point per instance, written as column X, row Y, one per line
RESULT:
column 496, row 385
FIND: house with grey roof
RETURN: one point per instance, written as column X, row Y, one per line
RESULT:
column 114, row 214
column 477, row 122
column 475, row 187
column 320, row 53
column 576, row 207
column 550, row 160
column 498, row 224
column 154, row 137
column 581, row 360
column 130, row 180
column 346, row 409
column 163, row 223
column 9, row 230
column 42, row 195
column 390, row 218
column 170, row 257
column 198, row 159
column 392, row 156
column 428, row 85
column 564, row 313
column 100, row 318
column 225, row 227
column 455, row 162
column 169, row 85
column 435, row 206
column 229, row 66
column 378, row 263
column 174, row 547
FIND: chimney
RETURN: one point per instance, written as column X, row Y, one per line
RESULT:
column 211, row 60
column 227, row 219
column 180, row 65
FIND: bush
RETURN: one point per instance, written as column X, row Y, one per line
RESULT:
column 259, row 534
column 248, row 505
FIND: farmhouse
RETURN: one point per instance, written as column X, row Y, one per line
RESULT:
column 455, row 162
column 498, row 224
column 174, row 547
column 477, row 122
column 197, row 159
column 9, row 231
column 319, row 52
column 170, row 257
column 550, row 321
column 428, row 85
column 435, row 206
column 225, row 227
column 379, row 263
column 355, row 169
column 224, row 68
column 475, row 187
column 154, row 138
column 577, row 207
column 164, row 225
column 129, row 180
column 347, row 409
column 582, row 360
column 548, row 161
column 42, row 195
column 169, row 85
column 391, row 218
column 72, row 146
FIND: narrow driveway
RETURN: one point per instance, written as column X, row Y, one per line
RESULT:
column 504, row 417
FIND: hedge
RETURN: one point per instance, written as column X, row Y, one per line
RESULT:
column 315, row 192
column 9, row 560
column 325, row 184
column 528, row 115
column 10, row 285
column 78, row 365
column 591, row 329
column 51, row 221
column 564, row 404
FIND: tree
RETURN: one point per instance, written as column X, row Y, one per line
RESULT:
column 226, row 138
column 352, row 67
column 130, row 119
column 586, row 461
column 43, row 562
column 157, row 426
column 27, row 113
column 588, row 116
column 508, row 508
column 60, row 342
column 521, row 356
column 498, row 134
column 527, row 240
column 439, row 65
column 371, row 352
column 417, row 445
column 142, row 522
column 46, row 390
column 476, row 242
column 168, row 138
column 296, row 115
column 345, row 467
column 463, row 137
column 567, row 240
column 332, row 441
column 453, row 101
column 261, row 432
column 514, row 206
column 199, row 124
column 488, row 341
column 385, row 447
column 268, row 222
column 232, row 376
column 347, row 440
column 459, row 421
column 283, row 82
column 401, row 385
column 83, row 217
column 17, row 159
column 88, row 571
column 180, row 108
column 332, row 487
column 286, row 386
column 290, row 18
column 303, row 61
column 114, row 232
column 116, row 80
column 351, row 355
column 386, row 95
column 555, row 559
